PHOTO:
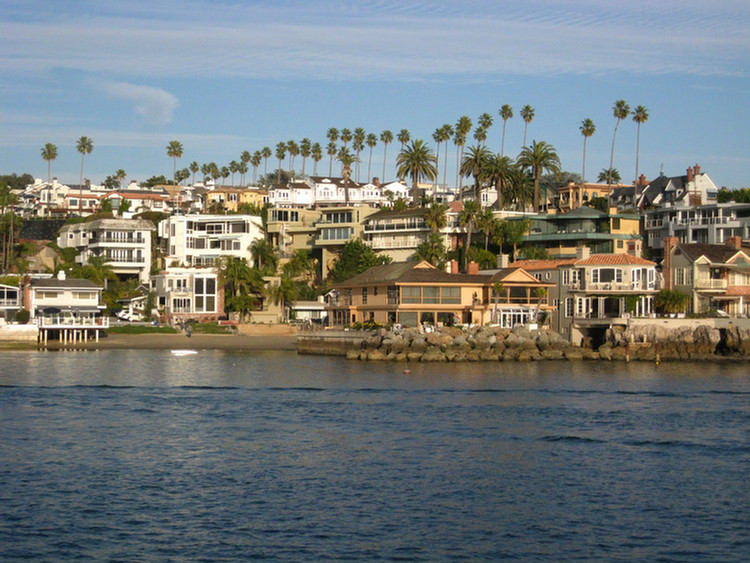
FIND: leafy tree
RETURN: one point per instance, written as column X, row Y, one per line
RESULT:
column 14, row 182
column 156, row 181
column 484, row 258
column 670, row 301
column 539, row 157
column 534, row 253
column 738, row 196
column 600, row 203
column 620, row 110
column 513, row 232
column 400, row 205
column 355, row 258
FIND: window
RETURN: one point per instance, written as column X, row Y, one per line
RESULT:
column 571, row 277
column 393, row 295
column 204, row 290
column 606, row 275
column 364, row 296
column 84, row 295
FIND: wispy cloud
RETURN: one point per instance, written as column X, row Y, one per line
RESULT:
column 154, row 105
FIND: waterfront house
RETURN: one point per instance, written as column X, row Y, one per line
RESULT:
column 10, row 302
column 715, row 276
column 184, row 294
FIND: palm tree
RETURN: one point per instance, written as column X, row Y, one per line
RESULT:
column 487, row 223
column 255, row 161
column 432, row 250
column 263, row 255
column 245, row 158
column 332, row 134
column 266, row 154
column 241, row 284
column 446, row 132
column 480, row 135
column 436, row 216
column 120, row 176
column 497, row 170
column 539, row 157
column 286, row 291
column 346, row 159
column 463, row 126
column 473, row 163
column 84, row 145
column 332, row 150
column 506, row 112
column 234, row 167
column 280, row 154
column 305, row 149
column 513, row 233
column 609, row 175
column 372, row 141
column 358, row 145
column 345, row 136
column 194, row 168
column 485, row 122
column 417, row 162
column 527, row 112
column 98, row 270
column 437, row 136
column 466, row 218
column 620, row 110
column 386, row 137
column 588, row 128
column 403, row 137
column 293, row 150
column 206, row 171
column 174, row 151
column 49, row 153
column 317, row 155
column 640, row 115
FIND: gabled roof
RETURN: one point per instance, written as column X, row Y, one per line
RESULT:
column 517, row 277
column 714, row 253
column 409, row 273
column 614, row 260
column 63, row 284
column 387, row 213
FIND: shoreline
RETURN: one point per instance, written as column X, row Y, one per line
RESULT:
column 275, row 342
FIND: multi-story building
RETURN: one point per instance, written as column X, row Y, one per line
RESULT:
column 603, row 233
column 185, row 294
column 574, row 195
column 694, row 188
column 320, row 191
column 232, row 198
column 124, row 243
column 10, row 302
column 714, row 276
column 714, row 223
column 336, row 227
column 203, row 240
column 292, row 229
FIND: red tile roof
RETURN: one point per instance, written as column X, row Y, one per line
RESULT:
column 614, row 260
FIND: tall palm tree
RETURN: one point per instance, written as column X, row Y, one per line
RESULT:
column 473, row 163
column 640, row 115
column 480, row 135
column 120, row 176
column 242, row 169
column 372, row 141
column 467, row 218
column 332, row 135
column 316, row 152
column 620, row 111
column 437, row 136
column 293, row 150
column 485, row 122
column 305, row 149
column 174, row 151
column 234, row 167
column 506, row 112
column 416, row 161
column 266, row 154
column 255, row 161
column 280, row 154
column 332, row 150
column 609, row 175
column 264, row 257
column 245, row 158
column 497, row 170
column 487, row 223
column 463, row 126
column 194, row 168
column 588, row 128
column 446, row 132
column 539, row 157
column 346, row 159
column 403, row 137
column 84, row 145
column 358, row 145
column 345, row 136
column 386, row 137
column 206, row 171
column 242, row 284
column 527, row 112
column 49, row 153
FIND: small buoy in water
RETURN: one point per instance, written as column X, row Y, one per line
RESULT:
column 407, row 371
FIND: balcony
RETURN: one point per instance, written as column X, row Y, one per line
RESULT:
column 711, row 284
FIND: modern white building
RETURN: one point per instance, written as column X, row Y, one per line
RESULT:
column 319, row 191
column 185, row 294
column 124, row 243
column 204, row 240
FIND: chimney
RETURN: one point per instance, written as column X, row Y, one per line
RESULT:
column 502, row 261
column 472, row 268
column 697, row 169
column 734, row 242
column 453, row 267
column 666, row 265
column 583, row 252
column 642, row 180
column 689, row 174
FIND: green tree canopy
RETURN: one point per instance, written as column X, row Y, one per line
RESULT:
column 355, row 258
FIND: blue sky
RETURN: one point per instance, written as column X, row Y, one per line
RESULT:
column 226, row 76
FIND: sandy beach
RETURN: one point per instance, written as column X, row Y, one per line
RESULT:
column 194, row 342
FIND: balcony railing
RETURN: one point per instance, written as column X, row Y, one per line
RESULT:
column 66, row 321
column 710, row 284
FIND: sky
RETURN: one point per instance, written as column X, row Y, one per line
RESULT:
column 222, row 77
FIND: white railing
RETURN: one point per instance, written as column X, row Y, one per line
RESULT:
column 710, row 284
column 64, row 321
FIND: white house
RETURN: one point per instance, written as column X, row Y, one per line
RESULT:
column 203, row 240
column 189, row 294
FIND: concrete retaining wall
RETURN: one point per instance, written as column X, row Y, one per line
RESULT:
column 19, row 333
column 329, row 342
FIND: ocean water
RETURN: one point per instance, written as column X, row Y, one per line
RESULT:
column 227, row 456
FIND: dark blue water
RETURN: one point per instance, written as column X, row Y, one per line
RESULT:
column 144, row 456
